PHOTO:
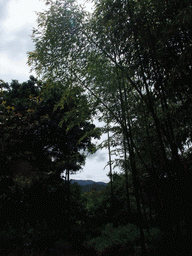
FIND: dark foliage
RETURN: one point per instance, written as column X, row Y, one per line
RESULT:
column 168, row 192
column 31, row 131
column 11, row 245
column 174, row 243
column 41, row 208
column 119, row 249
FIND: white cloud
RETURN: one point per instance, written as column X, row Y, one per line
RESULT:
column 21, row 13
column 8, row 66
column 94, row 168
column 13, row 69
column 15, row 30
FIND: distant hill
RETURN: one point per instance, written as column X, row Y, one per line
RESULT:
column 87, row 182
column 88, row 185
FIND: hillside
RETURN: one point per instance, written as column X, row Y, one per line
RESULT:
column 88, row 185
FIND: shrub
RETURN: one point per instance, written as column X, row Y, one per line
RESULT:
column 110, row 236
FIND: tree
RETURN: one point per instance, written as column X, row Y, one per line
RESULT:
column 132, row 50
column 32, row 133
column 121, row 55
column 40, row 140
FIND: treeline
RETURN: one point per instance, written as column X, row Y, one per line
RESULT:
column 96, row 186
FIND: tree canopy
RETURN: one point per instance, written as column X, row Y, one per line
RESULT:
column 39, row 133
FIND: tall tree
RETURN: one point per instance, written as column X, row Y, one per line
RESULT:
column 121, row 55
column 35, row 130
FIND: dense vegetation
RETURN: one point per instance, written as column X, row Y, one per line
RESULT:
column 129, row 65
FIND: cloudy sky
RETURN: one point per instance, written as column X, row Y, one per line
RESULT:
column 17, row 18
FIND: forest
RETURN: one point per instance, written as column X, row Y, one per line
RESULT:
column 127, row 64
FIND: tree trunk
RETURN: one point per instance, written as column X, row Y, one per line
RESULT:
column 110, row 172
column 135, row 183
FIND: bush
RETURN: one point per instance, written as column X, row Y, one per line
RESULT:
column 119, row 249
column 110, row 236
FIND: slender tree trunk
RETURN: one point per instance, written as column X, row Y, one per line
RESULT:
column 126, row 176
column 128, row 135
column 124, row 106
column 150, row 210
column 68, row 204
column 110, row 171
column 135, row 185
column 144, row 210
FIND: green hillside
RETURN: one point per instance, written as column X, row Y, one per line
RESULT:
column 88, row 185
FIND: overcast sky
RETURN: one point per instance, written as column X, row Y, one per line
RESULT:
column 17, row 18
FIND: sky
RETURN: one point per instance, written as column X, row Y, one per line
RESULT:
column 17, row 19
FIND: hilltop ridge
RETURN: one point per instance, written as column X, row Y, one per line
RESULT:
column 87, row 182
column 88, row 185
